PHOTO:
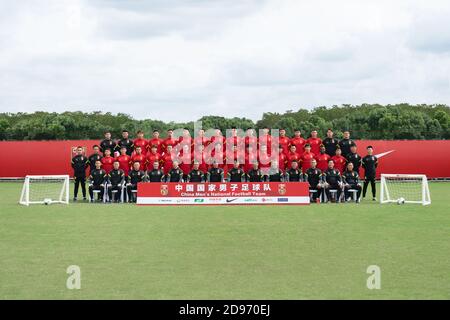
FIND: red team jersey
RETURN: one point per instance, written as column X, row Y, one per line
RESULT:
column 107, row 164
column 169, row 142
column 299, row 143
column 250, row 158
column 315, row 144
column 339, row 163
column 156, row 142
column 152, row 157
column 282, row 161
column 322, row 161
column 167, row 162
column 185, row 162
column 291, row 156
column 201, row 141
column 284, row 144
column 306, row 158
column 124, row 163
column 251, row 140
column 139, row 158
column 143, row 143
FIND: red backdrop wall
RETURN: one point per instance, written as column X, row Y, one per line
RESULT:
column 20, row 158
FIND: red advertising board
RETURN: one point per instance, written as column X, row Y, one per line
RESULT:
column 271, row 193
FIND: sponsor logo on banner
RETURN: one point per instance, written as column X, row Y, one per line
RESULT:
column 199, row 200
column 282, row 188
column 250, row 200
column 283, row 200
column 266, row 199
column 231, row 200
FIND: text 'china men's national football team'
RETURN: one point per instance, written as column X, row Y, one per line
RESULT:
column 330, row 166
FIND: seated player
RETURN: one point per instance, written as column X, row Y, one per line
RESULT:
column 339, row 161
column 94, row 157
column 314, row 177
column 236, row 174
column 350, row 179
column 116, row 179
column 255, row 174
column 107, row 161
column 196, row 175
column 215, row 173
column 370, row 164
column 332, row 181
column 79, row 165
column 135, row 176
column 294, row 174
column 175, row 174
column 156, row 174
column 275, row 174
column 97, row 180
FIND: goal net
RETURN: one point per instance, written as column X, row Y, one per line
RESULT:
column 404, row 188
column 45, row 190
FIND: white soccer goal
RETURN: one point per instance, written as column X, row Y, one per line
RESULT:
column 45, row 190
column 405, row 188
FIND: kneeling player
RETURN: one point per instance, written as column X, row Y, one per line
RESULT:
column 351, row 182
column 116, row 179
column 97, row 181
column 156, row 174
column 332, row 182
column 135, row 176
column 314, row 176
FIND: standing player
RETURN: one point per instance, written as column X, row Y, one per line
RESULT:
column 185, row 158
column 124, row 161
column 107, row 143
column 294, row 174
column 322, row 159
column 156, row 141
column 282, row 159
column 94, row 157
column 116, row 179
column 298, row 141
column 196, row 175
column 307, row 157
column 97, row 180
column 169, row 141
column 339, row 161
column 215, row 173
column 346, row 143
column 167, row 159
column 314, row 177
column 370, row 164
column 354, row 158
column 330, row 143
column 265, row 139
column 332, row 181
column 351, row 181
column 79, row 165
column 125, row 142
column 314, row 141
column 292, row 155
column 156, row 174
column 283, row 141
column 107, row 161
column 152, row 156
column 251, row 139
column 175, row 174
column 255, row 174
column 264, row 159
column 141, row 142
column 201, row 139
column 236, row 174
column 136, row 175
column 138, row 156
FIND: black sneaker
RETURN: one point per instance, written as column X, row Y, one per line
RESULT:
column 74, row 199
column 84, row 199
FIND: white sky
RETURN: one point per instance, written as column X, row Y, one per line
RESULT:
column 182, row 59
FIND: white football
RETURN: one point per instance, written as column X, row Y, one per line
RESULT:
column 47, row 201
column 401, row 201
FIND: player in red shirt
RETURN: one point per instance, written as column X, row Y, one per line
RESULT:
column 167, row 159
column 283, row 141
column 153, row 156
column 339, row 161
column 322, row 159
column 141, row 142
column 282, row 159
column 292, row 155
column 138, row 156
column 169, row 141
column 234, row 140
column 251, row 155
column 218, row 155
column 265, row 139
column 199, row 156
column 185, row 157
column 264, row 159
column 124, row 161
column 218, row 138
column 314, row 142
column 298, row 141
column 201, row 139
column 306, row 158
column 156, row 141
column 186, row 139
column 107, row 161
column 251, row 139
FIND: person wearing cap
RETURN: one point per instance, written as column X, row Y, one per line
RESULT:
column 370, row 164
column 330, row 143
column 314, row 141
column 306, row 158
column 339, row 160
column 156, row 141
column 298, row 141
column 322, row 159
column 354, row 158
column 346, row 143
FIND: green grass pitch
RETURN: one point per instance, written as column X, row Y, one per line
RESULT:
column 225, row 252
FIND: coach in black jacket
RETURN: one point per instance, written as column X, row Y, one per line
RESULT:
column 79, row 165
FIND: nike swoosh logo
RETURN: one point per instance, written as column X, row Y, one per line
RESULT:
column 383, row 154
column 231, row 200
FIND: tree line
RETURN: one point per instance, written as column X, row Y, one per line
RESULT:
column 366, row 121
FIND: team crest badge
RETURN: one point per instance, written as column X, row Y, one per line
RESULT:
column 164, row 190
column 282, row 188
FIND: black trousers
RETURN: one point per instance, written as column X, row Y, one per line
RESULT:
column 370, row 180
column 315, row 195
column 356, row 187
column 100, row 188
column 80, row 181
column 112, row 188
column 329, row 194
column 131, row 195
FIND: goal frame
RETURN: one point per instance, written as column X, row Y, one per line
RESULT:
column 384, row 191
column 63, row 197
